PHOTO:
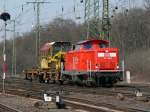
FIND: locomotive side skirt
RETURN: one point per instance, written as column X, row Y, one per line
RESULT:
column 98, row 78
column 117, row 74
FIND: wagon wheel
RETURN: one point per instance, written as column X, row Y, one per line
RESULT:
column 90, row 84
column 41, row 80
column 61, row 82
column 31, row 79
column 26, row 77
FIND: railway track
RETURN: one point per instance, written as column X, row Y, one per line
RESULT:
column 35, row 90
column 73, row 102
column 4, row 108
column 78, row 103
column 128, row 91
column 105, row 107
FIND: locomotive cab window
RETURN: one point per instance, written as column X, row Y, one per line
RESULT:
column 66, row 47
column 77, row 47
column 56, row 49
column 102, row 45
column 87, row 45
column 61, row 46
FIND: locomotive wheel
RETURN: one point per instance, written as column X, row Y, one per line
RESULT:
column 41, row 80
column 26, row 77
column 90, row 84
column 97, row 82
column 61, row 82
column 79, row 83
column 109, row 82
column 48, row 81
column 53, row 81
column 31, row 79
column 101, row 82
column 70, row 82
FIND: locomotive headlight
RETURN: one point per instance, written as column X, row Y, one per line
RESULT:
column 117, row 67
column 106, row 51
column 112, row 54
column 100, row 54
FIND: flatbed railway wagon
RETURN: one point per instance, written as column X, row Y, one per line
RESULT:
column 51, row 56
column 92, row 62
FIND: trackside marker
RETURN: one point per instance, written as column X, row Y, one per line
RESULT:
column 4, row 76
column 4, row 56
column 128, row 77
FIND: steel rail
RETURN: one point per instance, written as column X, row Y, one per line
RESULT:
column 4, row 108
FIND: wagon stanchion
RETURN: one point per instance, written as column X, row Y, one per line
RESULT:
column 60, row 78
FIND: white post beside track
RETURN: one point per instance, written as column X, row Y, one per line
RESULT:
column 47, row 98
column 128, row 77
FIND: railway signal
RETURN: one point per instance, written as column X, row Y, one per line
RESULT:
column 5, row 17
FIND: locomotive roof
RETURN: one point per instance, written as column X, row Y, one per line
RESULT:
column 46, row 46
column 52, row 43
column 93, row 40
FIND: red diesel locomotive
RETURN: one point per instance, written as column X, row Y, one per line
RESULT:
column 92, row 62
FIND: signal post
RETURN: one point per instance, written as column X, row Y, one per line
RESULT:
column 5, row 17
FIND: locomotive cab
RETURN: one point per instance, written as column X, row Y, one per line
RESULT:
column 52, row 52
column 91, row 45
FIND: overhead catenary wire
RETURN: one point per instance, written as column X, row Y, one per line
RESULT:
column 67, row 12
column 4, row 5
column 22, row 15
column 19, row 7
column 70, row 12
column 24, row 12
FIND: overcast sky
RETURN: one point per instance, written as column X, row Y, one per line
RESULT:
column 25, row 15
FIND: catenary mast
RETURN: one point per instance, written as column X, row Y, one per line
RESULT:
column 92, row 19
